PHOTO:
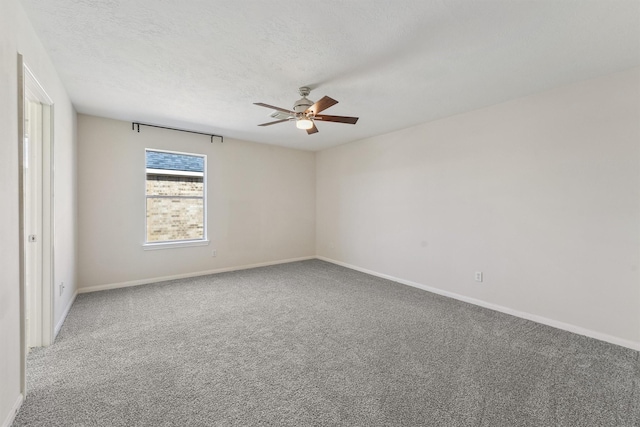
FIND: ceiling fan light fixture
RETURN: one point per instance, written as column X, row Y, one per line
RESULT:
column 304, row 123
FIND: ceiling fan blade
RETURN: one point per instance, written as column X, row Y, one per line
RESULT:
column 322, row 104
column 273, row 123
column 273, row 108
column 313, row 130
column 337, row 119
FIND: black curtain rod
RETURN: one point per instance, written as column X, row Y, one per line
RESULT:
column 134, row 124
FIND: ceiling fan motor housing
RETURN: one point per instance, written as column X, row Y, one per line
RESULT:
column 302, row 104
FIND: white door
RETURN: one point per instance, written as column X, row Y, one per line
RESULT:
column 32, row 170
column 36, row 216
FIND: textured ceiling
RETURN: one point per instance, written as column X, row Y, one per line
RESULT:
column 201, row 64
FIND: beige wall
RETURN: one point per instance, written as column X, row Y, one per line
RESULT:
column 261, row 204
column 542, row 194
column 17, row 36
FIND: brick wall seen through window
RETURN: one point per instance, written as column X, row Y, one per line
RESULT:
column 175, row 197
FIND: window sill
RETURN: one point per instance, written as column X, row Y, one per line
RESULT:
column 170, row 245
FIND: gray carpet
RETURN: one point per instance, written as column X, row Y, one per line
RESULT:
column 314, row 344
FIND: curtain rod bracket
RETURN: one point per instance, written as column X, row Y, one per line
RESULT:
column 134, row 124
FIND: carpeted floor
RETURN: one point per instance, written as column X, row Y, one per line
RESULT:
column 314, row 344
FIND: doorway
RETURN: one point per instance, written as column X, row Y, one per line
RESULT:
column 35, row 156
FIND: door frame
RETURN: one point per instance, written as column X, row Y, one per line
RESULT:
column 29, row 86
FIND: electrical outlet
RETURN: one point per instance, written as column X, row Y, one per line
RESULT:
column 214, row 253
column 478, row 276
column 61, row 288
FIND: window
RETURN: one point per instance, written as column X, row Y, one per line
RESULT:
column 175, row 193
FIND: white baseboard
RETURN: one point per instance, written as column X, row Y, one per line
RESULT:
column 64, row 316
column 186, row 275
column 14, row 411
column 533, row 317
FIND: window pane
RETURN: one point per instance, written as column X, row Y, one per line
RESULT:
column 174, row 161
column 174, row 219
column 175, row 196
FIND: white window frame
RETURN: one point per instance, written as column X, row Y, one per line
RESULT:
column 176, row 243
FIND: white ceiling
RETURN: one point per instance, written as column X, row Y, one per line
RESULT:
column 201, row 64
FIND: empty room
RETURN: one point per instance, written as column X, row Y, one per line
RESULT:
column 343, row 213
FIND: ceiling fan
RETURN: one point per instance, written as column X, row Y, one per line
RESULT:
column 306, row 112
